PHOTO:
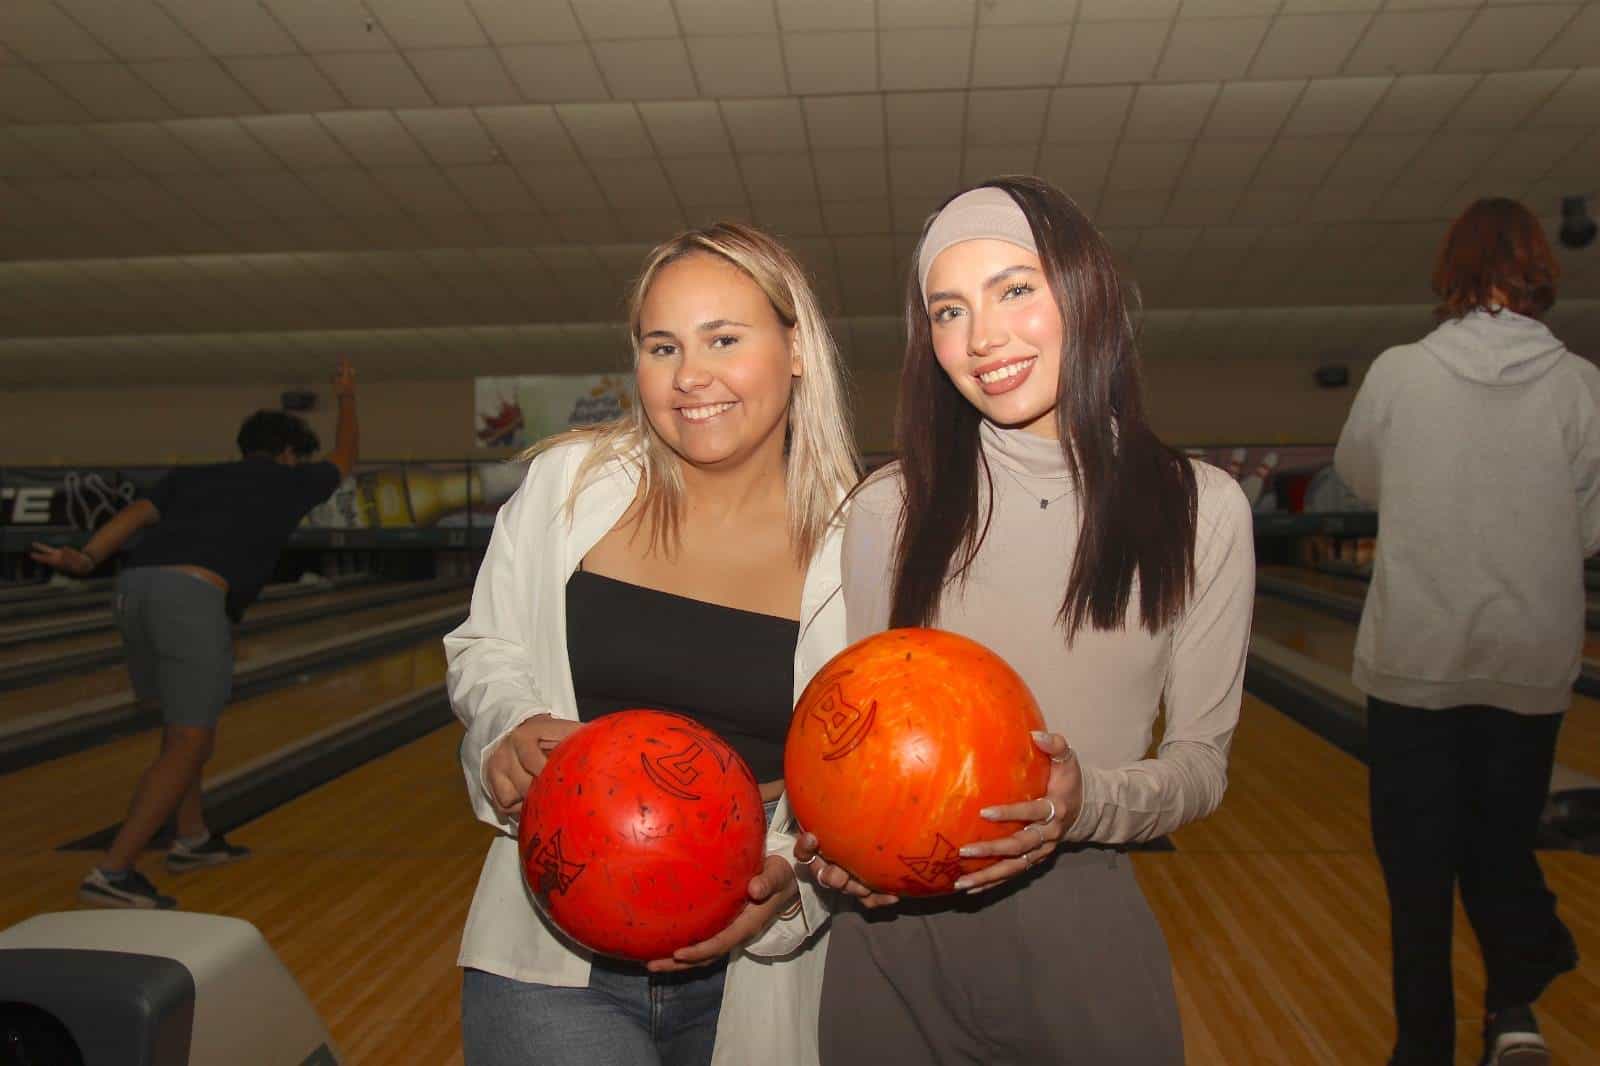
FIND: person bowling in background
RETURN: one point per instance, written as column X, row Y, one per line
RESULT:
column 212, row 537
column 1480, row 448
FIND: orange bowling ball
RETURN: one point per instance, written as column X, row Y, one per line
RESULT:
column 898, row 743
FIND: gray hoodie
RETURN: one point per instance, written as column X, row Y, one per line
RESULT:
column 1480, row 447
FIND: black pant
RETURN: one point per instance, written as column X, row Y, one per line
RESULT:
column 1456, row 797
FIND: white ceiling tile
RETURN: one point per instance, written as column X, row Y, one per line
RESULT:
column 223, row 144
column 765, row 126
column 1114, row 51
column 1534, row 152
column 299, row 140
column 1148, row 164
column 1578, row 44
column 720, row 18
column 374, row 79
column 634, row 184
column 1299, row 161
column 331, row 25
column 215, row 197
column 1503, row 101
column 1223, row 8
column 1338, row 203
column 527, row 21
column 1020, row 55
column 832, row 62
column 858, row 217
column 450, row 137
column 738, row 66
column 421, row 190
column 1377, row 157
column 1077, row 167
column 845, row 121
column 1252, row 109
column 923, row 172
column 982, row 162
column 1420, row 102
column 1335, row 105
column 151, row 147
column 1132, row 207
column 106, row 90
column 40, row 33
column 352, row 192
column 1116, row 10
column 1211, row 49
column 73, row 150
column 706, row 179
column 1573, row 103
column 1169, row 112
column 1223, row 163
column 428, row 23
column 1264, row 205
column 133, row 29
column 1506, row 38
column 1449, row 158
column 801, row 16
column 606, row 131
column 646, row 69
column 553, row 73
column 285, row 195
column 25, row 96
column 1088, row 114
column 528, row 133
column 1026, row 12
column 197, row 87
column 1407, row 42
column 374, row 138
column 771, row 177
column 457, row 77
column 790, row 218
column 685, row 127
column 925, row 119
column 1006, row 116
column 925, row 59
column 618, row 19
column 853, row 175
column 285, row 83
column 651, row 226
column 231, row 27
column 922, row 13
column 1308, row 45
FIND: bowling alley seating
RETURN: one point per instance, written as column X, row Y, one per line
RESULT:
column 131, row 988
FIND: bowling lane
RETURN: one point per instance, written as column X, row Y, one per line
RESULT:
column 1332, row 642
column 62, row 799
column 106, row 636
column 103, row 681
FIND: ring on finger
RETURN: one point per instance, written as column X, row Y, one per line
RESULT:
column 1047, row 819
column 810, row 861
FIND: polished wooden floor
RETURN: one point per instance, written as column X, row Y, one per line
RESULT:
column 1273, row 908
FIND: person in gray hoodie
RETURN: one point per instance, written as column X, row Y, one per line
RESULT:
column 1480, row 448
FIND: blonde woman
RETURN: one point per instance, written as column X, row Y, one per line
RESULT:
column 683, row 557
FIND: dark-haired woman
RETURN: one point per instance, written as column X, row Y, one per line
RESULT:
column 212, row 536
column 1034, row 510
column 1480, row 447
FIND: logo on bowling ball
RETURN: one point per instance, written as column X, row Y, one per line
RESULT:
column 845, row 724
column 939, row 866
column 554, row 871
column 676, row 771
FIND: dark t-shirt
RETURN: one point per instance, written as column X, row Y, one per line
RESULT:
column 233, row 519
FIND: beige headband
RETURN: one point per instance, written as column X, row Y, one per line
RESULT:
column 978, row 214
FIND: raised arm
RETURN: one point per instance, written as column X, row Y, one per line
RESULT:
column 106, row 542
column 347, row 434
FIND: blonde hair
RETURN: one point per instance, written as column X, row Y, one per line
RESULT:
column 820, row 455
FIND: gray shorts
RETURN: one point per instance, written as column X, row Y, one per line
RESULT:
column 179, row 643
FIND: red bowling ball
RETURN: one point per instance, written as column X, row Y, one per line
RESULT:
column 641, row 835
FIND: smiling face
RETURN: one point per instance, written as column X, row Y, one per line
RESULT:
column 715, row 365
column 997, row 332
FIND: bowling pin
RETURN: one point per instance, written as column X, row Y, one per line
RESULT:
column 1255, row 482
column 1236, row 463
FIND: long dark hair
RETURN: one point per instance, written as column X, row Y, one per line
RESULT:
column 1138, row 496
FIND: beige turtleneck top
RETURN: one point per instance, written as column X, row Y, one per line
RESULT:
column 1104, row 692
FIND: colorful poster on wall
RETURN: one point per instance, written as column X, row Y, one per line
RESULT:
column 66, row 498
column 514, row 412
column 418, row 496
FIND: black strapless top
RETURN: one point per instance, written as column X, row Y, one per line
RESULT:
column 730, row 670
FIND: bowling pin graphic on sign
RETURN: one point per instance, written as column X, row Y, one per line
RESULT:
column 416, row 497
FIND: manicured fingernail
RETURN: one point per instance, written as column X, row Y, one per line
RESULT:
column 962, row 884
column 969, row 851
column 1040, row 735
column 990, row 813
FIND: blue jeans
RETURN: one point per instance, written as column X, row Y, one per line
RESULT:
column 626, row 1017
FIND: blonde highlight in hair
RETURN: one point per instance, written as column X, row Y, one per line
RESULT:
column 820, row 456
